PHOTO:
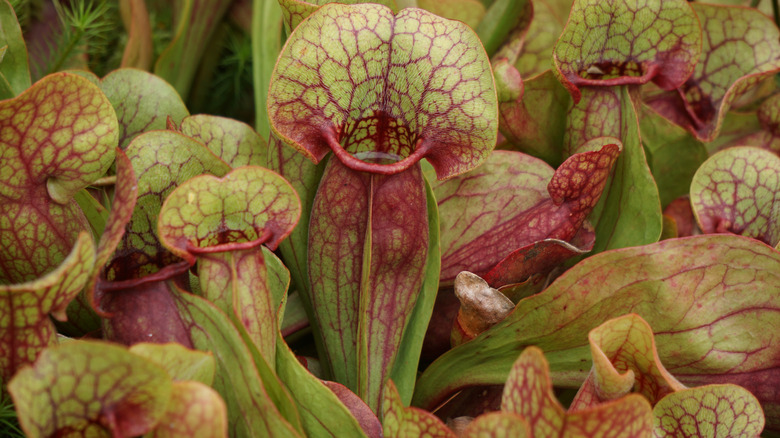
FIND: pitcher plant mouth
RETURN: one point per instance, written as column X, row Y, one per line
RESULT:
column 265, row 236
column 358, row 161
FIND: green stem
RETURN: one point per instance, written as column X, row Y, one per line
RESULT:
column 266, row 45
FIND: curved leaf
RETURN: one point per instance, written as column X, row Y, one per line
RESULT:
column 618, row 42
column 740, row 47
column 236, row 143
column 497, row 425
column 295, row 11
column 25, row 327
column 55, row 139
column 630, row 213
column 221, row 222
column 162, row 160
column 401, row 88
column 736, row 191
column 708, row 298
column 712, row 411
column 90, row 388
column 399, row 421
column 624, row 359
column 194, row 411
column 528, row 392
column 14, row 68
column 479, row 230
column 142, row 102
column 178, row 361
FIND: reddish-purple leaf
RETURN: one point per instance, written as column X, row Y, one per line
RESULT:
column 479, row 231
column 741, row 46
column 359, row 409
column 368, row 242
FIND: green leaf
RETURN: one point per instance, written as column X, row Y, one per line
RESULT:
column 672, row 153
column 251, row 410
column 295, row 11
column 618, row 42
column 544, row 30
column 470, row 12
column 400, row 422
column 535, row 122
column 528, row 392
column 266, row 45
column 502, row 18
column 25, row 327
column 197, row 20
column 55, row 139
column 236, row 143
column 404, row 372
column 161, row 160
column 740, row 47
column 90, row 388
column 498, row 425
column 630, row 213
column 194, row 410
column 178, row 361
column 222, row 222
column 322, row 413
column 727, row 284
column 142, row 101
column 712, row 410
column 14, row 69
column 736, row 191
column 418, row 92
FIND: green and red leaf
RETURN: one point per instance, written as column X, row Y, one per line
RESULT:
column 399, row 421
column 25, row 326
column 717, row 277
column 740, row 47
column 480, row 234
column 236, row 143
column 528, row 392
column 142, row 101
column 90, row 388
column 194, row 411
column 400, row 87
column 735, row 191
column 616, row 42
column 222, row 222
column 55, row 139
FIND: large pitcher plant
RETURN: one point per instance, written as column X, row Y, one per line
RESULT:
column 384, row 92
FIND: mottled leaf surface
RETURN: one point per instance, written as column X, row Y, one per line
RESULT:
column 162, row 160
column 295, row 11
column 236, row 143
column 90, row 388
column 625, row 360
column 470, row 12
column 528, row 392
column 55, row 139
column 617, row 42
column 768, row 135
column 368, row 243
column 142, row 102
column 179, row 362
column 222, row 222
column 399, row 421
column 736, row 191
column 399, row 87
column 699, row 294
column 25, row 327
column 498, row 425
column 194, row 410
column 544, row 30
column 501, row 207
column 630, row 212
column 740, row 47
column 712, row 410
